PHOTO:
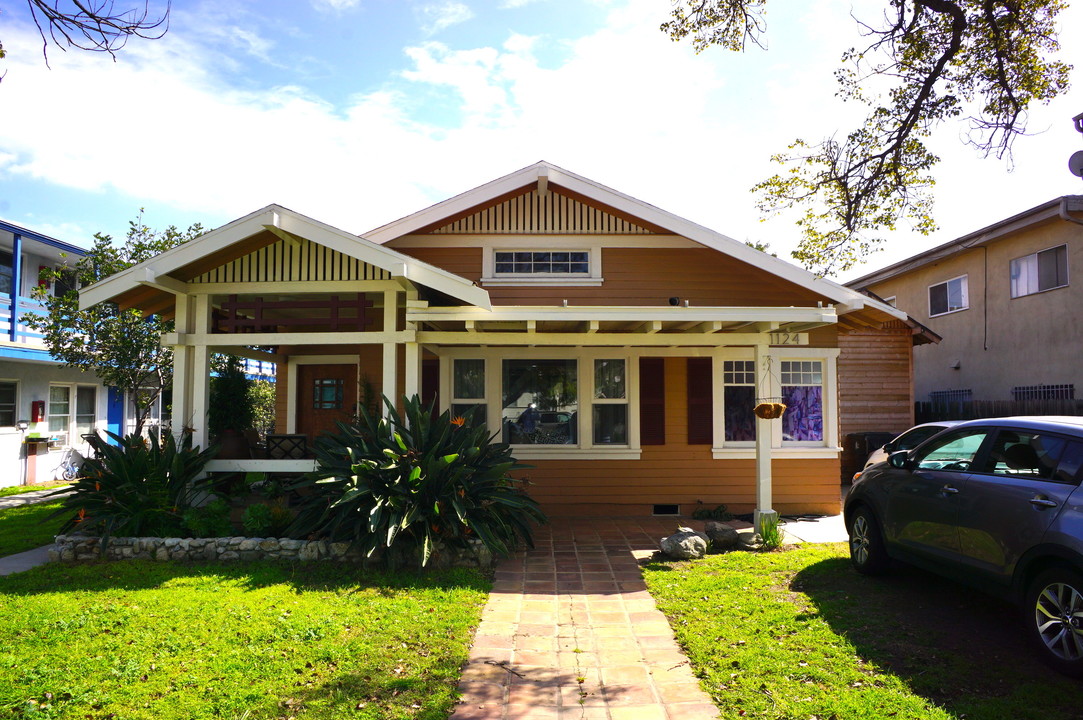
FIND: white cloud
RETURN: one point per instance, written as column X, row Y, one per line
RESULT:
column 335, row 5
column 625, row 106
column 436, row 17
column 512, row 4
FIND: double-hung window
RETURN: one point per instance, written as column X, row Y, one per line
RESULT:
column 1041, row 271
column 803, row 395
column 610, row 411
column 468, row 390
column 947, row 297
column 739, row 399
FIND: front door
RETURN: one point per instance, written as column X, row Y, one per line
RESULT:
column 326, row 395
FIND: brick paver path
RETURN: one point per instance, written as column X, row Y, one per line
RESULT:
column 571, row 632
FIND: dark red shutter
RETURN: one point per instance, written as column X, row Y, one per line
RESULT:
column 700, row 402
column 652, row 401
column 430, row 383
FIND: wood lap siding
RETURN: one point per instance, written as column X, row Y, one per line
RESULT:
column 876, row 387
column 639, row 277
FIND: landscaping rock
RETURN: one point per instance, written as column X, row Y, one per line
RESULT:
column 721, row 535
column 685, row 544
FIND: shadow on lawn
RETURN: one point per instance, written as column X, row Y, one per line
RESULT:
column 950, row 643
column 302, row 577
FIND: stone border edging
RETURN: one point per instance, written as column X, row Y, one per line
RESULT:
column 84, row 548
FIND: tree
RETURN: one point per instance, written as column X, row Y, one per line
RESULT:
column 121, row 347
column 986, row 61
column 95, row 25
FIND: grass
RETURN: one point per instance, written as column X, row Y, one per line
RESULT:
column 20, row 489
column 147, row 640
column 27, row 527
column 799, row 634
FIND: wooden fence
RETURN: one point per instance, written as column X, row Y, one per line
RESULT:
column 974, row 409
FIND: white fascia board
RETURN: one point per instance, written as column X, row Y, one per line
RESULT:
column 460, row 203
column 385, row 258
column 161, row 265
column 278, row 217
column 521, row 313
column 625, row 203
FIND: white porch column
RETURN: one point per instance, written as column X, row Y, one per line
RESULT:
column 200, row 372
column 391, row 355
column 764, row 388
column 182, row 369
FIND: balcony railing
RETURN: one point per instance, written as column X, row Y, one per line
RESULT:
column 20, row 333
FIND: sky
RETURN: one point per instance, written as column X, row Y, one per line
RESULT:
column 359, row 112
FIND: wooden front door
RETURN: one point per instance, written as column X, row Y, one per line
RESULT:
column 326, row 394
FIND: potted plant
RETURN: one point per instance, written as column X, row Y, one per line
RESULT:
column 230, row 412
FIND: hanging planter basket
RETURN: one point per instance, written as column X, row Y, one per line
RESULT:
column 769, row 410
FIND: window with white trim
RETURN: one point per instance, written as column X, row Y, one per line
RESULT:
column 468, row 390
column 1040, row 271
column 541, row 263
column 610, row 404
column 802, row 394
column 739, row 398
column 59, row 415
column 72, row 413
column 947, row 297
column 9, row 392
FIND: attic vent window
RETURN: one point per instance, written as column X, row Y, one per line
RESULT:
column 543, row 262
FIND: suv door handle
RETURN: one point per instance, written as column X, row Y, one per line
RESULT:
column 1041, row 502
column 949, row 490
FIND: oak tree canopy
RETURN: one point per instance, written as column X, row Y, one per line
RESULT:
column 925, row 62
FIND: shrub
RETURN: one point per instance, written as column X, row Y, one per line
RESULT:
column 770, row 533
column 422, row 481
column 210, row 520
column 138, row 487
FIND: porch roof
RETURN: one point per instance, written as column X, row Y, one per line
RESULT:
column 169, row 272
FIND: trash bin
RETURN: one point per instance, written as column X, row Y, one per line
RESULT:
column 863, row 443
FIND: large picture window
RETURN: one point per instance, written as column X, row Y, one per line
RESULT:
column 949, row 296
column 540, row 402
column 802, row 393
column 1039, row 272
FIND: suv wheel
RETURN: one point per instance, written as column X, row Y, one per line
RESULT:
column 867, row 552
column 1055, row 608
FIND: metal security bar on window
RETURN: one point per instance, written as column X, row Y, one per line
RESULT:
column 942, row 396
column 1044, row 392
column 542, row 262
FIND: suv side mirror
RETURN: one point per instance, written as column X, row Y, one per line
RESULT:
column 889, row 447
column 898, row 460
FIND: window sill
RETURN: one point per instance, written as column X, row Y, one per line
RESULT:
column 554, row 281
column 526, row 452
column 783, row 453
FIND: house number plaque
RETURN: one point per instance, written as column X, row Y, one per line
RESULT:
column 782, row 338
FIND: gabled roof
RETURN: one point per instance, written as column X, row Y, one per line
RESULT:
column 280, row 222
column 544, row 175
column 28, row 234
column 1057, row 209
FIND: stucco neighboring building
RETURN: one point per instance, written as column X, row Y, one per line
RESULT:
column 1006, row 303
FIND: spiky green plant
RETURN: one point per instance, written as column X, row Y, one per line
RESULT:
column 138, row 487
column 417, row 479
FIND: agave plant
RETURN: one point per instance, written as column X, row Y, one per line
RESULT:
column 420, row 479
column 139, row 486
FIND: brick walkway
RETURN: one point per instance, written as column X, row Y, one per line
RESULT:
column 571, row 632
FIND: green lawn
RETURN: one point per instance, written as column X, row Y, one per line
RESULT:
column 160, row 641
column 798, row 634
column 27, row 527
column 20, row 489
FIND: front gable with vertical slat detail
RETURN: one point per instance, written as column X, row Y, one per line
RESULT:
column 299, row 260
column 535, row 213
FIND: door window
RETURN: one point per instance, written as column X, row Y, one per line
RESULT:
column 1023, row 454
column 954, row 452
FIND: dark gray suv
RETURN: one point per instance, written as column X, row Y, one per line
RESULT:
column 995, row 503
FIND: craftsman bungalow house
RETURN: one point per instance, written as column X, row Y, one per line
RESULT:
column 620, row 349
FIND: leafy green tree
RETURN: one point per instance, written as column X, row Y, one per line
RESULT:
column 120, row 346
column 985, row 61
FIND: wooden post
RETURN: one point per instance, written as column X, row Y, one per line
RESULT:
column 765, row 387
column 391, row 355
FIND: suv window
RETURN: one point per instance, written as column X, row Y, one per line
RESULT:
column 1025, row 454
column 953, row 452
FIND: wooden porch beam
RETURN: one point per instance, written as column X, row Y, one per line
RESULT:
column 436, row 337
column 295, row 339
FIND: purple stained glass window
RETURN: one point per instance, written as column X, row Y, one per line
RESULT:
column 803, row 420
column 740, row 420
